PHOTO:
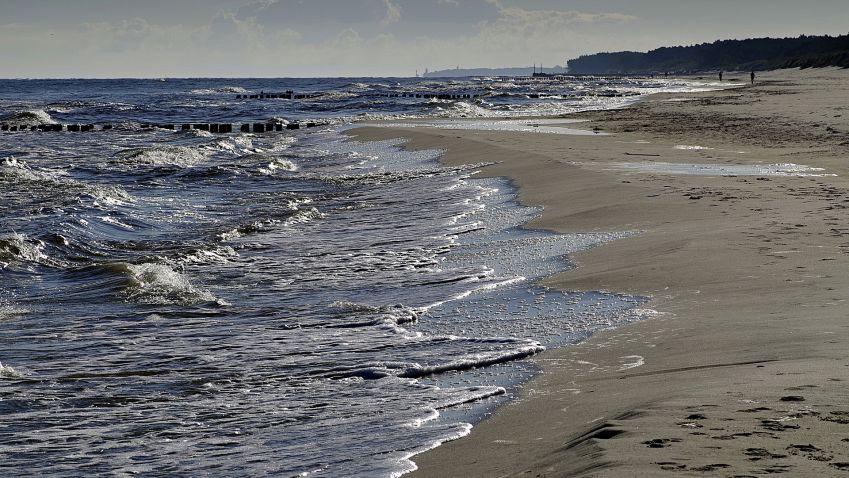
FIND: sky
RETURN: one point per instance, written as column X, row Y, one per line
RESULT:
column 313, row 38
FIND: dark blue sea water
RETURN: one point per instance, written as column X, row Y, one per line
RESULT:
column 181, row 303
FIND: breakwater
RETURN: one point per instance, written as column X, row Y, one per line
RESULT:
column 265, row 127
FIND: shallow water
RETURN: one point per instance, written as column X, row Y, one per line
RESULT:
column 783, row 169
column 241, row 305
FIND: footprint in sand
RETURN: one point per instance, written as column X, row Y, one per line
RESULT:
column 711, row 467
column 661, row 442
column 837, row 416
column 756, row 454
column 810, row 452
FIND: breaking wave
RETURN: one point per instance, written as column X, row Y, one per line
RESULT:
column 222, row 89
column 8, row 372
column 19, row 248
column 182, row 156
column 30, row 117
column 158, row 284
column 12, row 169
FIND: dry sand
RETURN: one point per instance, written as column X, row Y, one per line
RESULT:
column 745, row 369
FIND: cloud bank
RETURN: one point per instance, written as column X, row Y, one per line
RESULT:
column 118, row 38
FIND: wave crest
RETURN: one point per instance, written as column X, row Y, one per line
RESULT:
column 29, row 117
column 222, row 89
column 15, row 170
column 182, row 156
column 19, row 248
column 278, row 164
column 8, row 372
column 161, row 285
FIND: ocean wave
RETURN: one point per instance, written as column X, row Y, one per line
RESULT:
column 222, row 89
column 216, row 255
column 468, row 395
column 298, row 216
column 158, row 284
column 8, row 372
column 278, row 164
column 395, row 314
column 195, row 133
column 29, row 117
column 14, row 170
column 8, row 311
column 303, row 216
column 251, row 228
column 182, row 156
column 357, row 86
column 462, row 109
column 483, row 359
column 336, row 95
column 378, row 370
column 234, row 145
column 386, row 177
column 19, row 248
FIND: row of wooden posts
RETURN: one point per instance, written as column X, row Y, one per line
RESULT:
column 54, row 127
column 287, row 95
column 211, row 127
column 290, row 95
column 438, row 96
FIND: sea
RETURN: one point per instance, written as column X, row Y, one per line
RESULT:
column 289, row 304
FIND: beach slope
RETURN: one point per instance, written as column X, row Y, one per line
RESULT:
column 744, row 368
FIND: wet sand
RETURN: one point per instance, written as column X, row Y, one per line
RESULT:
column 744, row 371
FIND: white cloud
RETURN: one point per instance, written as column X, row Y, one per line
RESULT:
column 263, row 39
column 393, row 13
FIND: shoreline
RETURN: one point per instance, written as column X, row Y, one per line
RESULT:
column 745, row 358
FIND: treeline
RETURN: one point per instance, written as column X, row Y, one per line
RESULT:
column 753, row 54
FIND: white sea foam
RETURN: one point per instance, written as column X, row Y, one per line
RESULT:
column 234, row 144
column 469, row 361
column 19, row 248
column 303, row 216
column 783, row 169
column 276, row 165
column 7, row 372
column 197, row 133
column 164, row 155
column 216, row 255
column 116, row 222
column 229, row 235
column 8, row 311
column 13, row 168
column 159, row 284
column 461, row 109
column 631, row 361
column 550, row 126
column 30, row 117
column 222, row 89
column 407, row 465
column 18, row 170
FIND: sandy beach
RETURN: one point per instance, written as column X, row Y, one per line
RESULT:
column 743, row 370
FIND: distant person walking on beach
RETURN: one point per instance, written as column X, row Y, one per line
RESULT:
column 720, row 75
column 753, row 77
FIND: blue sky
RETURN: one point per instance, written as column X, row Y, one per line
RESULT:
column 159, row 38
